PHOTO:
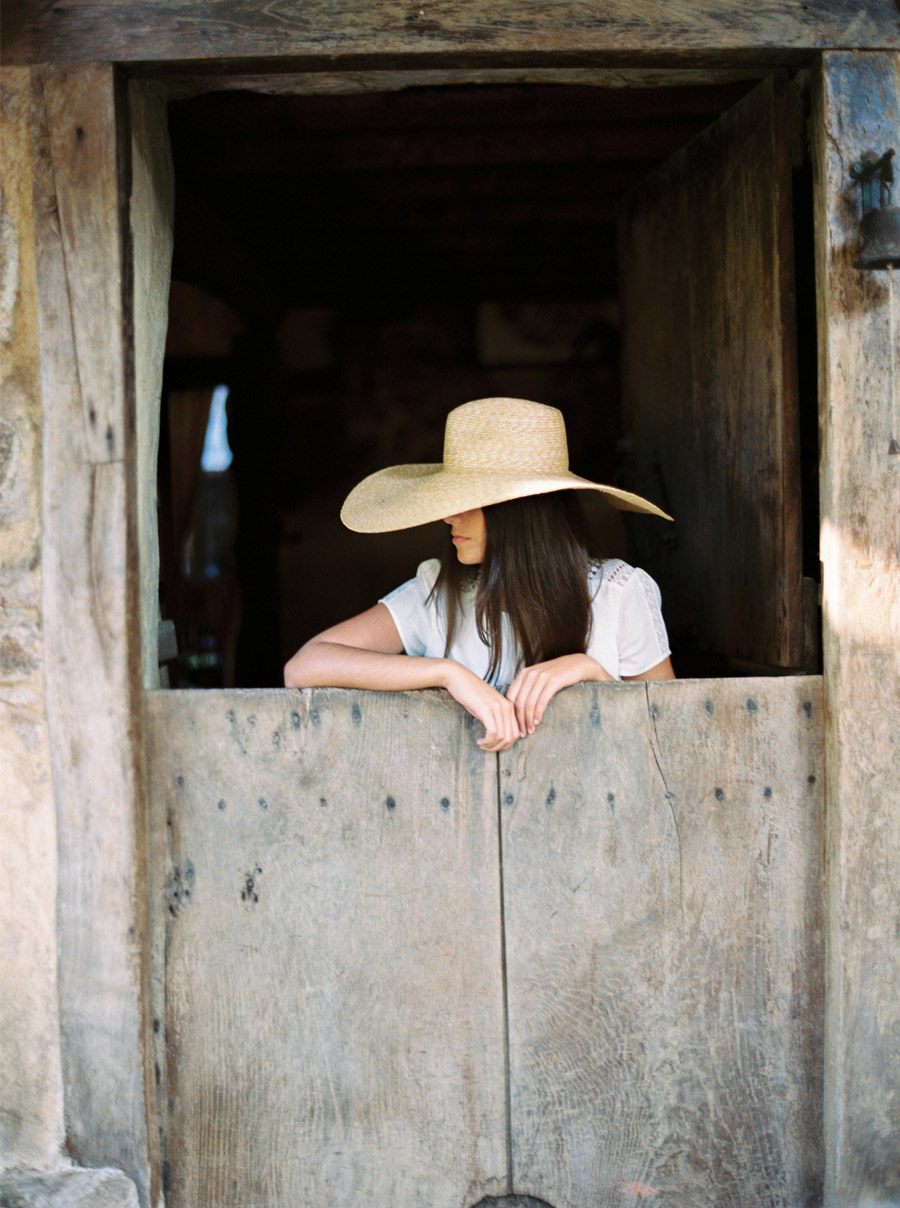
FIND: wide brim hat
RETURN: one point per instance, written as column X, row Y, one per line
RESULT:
column 494, row 449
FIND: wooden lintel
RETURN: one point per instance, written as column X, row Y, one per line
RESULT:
column 468, row 33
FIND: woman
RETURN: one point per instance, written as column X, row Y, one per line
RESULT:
column 517, row 600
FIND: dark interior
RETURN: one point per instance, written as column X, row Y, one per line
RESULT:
column 351, row 267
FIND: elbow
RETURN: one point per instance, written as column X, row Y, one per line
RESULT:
column 300, row 671
column 293, row 672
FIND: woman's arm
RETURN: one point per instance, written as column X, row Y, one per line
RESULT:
column 363, row 652
column 366, row 652
column 661, row 671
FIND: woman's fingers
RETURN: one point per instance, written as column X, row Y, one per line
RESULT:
column 544, row 688
column 501, row 729
column 534, row 687
column 487, row 705
column 532, row 681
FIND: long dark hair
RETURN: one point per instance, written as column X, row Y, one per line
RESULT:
column 535, row 568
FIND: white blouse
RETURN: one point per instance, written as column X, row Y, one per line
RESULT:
column 628, row 635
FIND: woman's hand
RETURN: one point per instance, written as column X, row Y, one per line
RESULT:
column 487, row 705
column 534, row 687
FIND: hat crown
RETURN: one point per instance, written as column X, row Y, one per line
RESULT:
column 510, row 435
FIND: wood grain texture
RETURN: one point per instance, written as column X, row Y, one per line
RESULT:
column 662, row 879
column 150, row 221
column 160, row 30
column 367, row 82
column 710, row 385
column 83, row 161
column 858, row 109
column 335, row 1017
column 91, row 636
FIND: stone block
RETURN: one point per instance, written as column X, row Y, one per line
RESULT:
column 71, row 1188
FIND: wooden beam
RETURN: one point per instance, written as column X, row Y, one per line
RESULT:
column 219, row 115
column 858, row 110
column 91, row 610
column 275, row 82
column 473, row 32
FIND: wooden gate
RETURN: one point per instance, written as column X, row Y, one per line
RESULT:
column 397, row 970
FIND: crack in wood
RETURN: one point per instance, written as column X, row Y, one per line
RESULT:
column 653, row 713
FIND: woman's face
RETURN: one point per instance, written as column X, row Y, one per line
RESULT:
column 468, row 532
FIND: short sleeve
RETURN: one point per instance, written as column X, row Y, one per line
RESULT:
column 642, row 640
column 415, row 617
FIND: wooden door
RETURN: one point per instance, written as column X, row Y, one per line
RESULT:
column 710, row 384
column 332, row 950
column 399, row 970
column 662, row 872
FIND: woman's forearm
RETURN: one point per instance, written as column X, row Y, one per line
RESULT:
column 321, row 664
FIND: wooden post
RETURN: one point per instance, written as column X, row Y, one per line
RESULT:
column 91, row 614
column 858, row 109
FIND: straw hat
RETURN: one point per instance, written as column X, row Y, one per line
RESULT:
column 494, row 449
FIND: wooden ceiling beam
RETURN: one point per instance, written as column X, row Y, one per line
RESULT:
column 278, row 82
column 451, row 107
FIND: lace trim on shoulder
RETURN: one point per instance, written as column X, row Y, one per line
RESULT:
column 614, row 570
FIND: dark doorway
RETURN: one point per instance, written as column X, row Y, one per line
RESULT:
column 352, row 266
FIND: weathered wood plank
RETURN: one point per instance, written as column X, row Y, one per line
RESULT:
column 472, row 30
column 661, row 867
column 322, row 83
column 151, row 218
column 858, row 109
column 90, row 610
column 335, row 1011
column 710, row 384
column 83, row 160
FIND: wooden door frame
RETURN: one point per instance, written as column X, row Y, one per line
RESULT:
column 856, row 108
column 102, row 191
column 94, row 615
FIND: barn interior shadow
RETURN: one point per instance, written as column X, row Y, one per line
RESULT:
column 350, row 267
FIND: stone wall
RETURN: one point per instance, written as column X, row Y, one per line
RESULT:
column 31, row 1103
column 35, row 1169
